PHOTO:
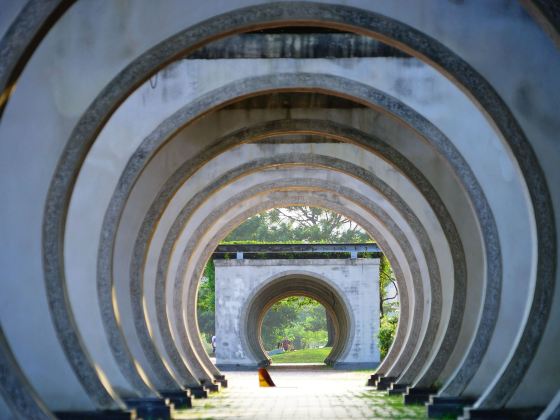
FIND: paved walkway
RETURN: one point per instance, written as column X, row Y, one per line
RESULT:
column 315, row 394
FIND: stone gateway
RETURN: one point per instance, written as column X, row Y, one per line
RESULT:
column 347, row 288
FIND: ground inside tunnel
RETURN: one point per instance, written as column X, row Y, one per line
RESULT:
column 317, row 393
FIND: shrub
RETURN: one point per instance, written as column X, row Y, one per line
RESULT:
column 386, row 334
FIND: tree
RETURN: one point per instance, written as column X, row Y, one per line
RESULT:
column 386, row 279
column 386, row 334
column 299, row 319
column 388, row 306
column 299, row 224
column 206, row 301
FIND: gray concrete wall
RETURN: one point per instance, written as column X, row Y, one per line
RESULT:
column 238, row 280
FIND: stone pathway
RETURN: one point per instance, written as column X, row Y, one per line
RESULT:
column 311, row 394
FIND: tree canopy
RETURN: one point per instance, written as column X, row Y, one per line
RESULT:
column 299, row 224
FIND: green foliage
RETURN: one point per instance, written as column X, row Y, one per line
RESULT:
column 387, row 304
column 299, row 319
column 385, row 275
column 206, row 301
column 386, row 334
column 207, row 343
column 302, row 356
column 391, row 406
column 300, row 224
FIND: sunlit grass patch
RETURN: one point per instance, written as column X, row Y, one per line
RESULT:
column 392, row 406
column 302, row 356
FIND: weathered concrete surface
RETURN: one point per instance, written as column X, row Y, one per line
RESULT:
column 499, row 201
column 233, row 211
column 238, row 281
column 230, row 195
column 520, row 98
column 163, row 166
column 386, row 232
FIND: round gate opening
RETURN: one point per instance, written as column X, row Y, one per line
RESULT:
column 297, row 329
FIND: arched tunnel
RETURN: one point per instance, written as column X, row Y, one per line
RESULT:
column 297, row 284
column 134, row 137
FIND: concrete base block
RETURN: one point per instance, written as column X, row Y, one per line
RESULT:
column 222, row 382
column 502, row 414
column 221, row 379
column 415, row 396
column 439, row 407
column 180, row 399
column 198, row 392
column 211, row 387
column 373, row 379
column 384, row 383
column 397, row 389
column 150, row 408
column 97, row 415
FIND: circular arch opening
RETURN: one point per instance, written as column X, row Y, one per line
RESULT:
column 295, row 329
column 297, row 284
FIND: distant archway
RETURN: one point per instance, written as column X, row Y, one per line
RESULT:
column 242, row 301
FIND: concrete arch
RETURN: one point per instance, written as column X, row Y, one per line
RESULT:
column 295, row 198
column 16, row 390
column 53, row 219
column 336, row 203
column 17, row 44
column 303, row 283
column 547, row 244
column 110, row 329
column 485, row 329
column 142, row 317
column 161, row 297
column 141, row 241
column 145, row 153
column 188, row 250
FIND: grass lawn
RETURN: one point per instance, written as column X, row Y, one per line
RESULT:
column 392, row 406
column 302, row 356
